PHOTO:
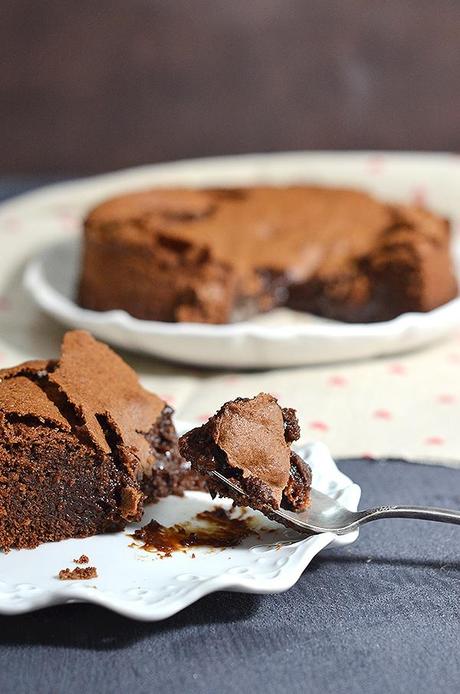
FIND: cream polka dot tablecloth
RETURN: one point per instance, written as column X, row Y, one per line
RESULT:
column 406, row 407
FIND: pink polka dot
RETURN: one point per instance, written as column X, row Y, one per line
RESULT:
column 204, row 417
column 375, row 163
column 338, row 381
column 446, row 398
column 420, row 196
column 434, row 441
column 397, row 369
column 232, row 378
column 367, row 456
column 319, row 426
column 67, row 219
column 170, row 399
column 10, row 223
column 382, row 414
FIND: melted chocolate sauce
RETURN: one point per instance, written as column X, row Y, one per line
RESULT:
column 219, row 530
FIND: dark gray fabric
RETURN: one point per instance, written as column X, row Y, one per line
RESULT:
column 382, row 615
column 11, row 185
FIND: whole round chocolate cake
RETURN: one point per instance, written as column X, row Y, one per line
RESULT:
column 216, row 256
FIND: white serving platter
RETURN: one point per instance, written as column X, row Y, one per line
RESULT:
column 277, row 339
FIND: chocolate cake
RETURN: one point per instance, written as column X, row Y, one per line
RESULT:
column 216, row 256
column 248, row 441
column 82, row 446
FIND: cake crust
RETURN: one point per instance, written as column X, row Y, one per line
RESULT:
column 216, row 256
column 248, row 441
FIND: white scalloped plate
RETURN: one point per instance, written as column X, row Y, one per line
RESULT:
column 280, row 338
column 140, row 585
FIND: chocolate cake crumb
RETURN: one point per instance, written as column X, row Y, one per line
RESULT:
column 78, row 574
column 248, row 442
column 82, row 560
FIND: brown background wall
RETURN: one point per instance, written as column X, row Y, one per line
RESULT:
column 90, row 85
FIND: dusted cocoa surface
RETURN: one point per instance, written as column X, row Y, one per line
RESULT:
column 82, row 446
column 247, row 441
column 216, row 256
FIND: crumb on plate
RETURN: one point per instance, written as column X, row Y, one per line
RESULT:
column 78, row 574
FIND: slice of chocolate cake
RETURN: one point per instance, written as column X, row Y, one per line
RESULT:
column 248, row 441
column 82, row 445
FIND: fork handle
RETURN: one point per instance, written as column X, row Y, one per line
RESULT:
column 441, row 515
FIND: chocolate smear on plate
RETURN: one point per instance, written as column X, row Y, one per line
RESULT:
column 214, row 528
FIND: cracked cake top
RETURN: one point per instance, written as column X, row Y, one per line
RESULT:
column 90, row 390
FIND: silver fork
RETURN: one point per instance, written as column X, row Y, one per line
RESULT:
column 325, row 515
